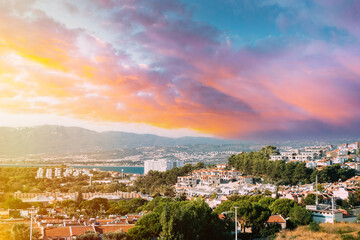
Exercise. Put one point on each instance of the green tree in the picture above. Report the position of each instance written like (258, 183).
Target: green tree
(301, 173)
(300, 216)
(139, 233)
(310, 199)
(114, 236)
(20, 231)
(314, 226)
(252, 214)
(148, 227)
(89, 235)
(266, 201)
(270, 231)
(69, 205)
(79, 199)
(199, 165)
(282, 206)
(95, 206)
(15, 203)
(288, 173)
(224, 207)
(204, 223)
(213, 195)
(181, 197)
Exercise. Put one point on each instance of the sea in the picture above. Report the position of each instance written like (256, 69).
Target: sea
(138, 170)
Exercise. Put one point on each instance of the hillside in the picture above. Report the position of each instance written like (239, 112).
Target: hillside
(58, 139)
(327, 231)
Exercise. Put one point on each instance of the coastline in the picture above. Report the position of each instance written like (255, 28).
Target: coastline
(68, 165)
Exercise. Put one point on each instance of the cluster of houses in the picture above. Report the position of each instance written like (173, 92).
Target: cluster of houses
(51, 228)
(48, 198)
(62, 172)
(206, 182)
(320, 156)
(214, 185)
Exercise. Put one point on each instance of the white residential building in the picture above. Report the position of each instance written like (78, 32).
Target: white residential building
(186, 181)
(341, 193)
(221, 166)
(325, 214)
(48, 173)
(311, 164)
(210, 180)
(323, 162)
(303, 157)
(40, 173)
(162, 165)
(58, 172)
(277, 157)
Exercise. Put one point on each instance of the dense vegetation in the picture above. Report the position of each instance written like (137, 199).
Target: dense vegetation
(258, 164)
(23, 179)
(13, 179)
(172, 219)
(162, 182)
(254, 211)
(17, 231)
(169, 218)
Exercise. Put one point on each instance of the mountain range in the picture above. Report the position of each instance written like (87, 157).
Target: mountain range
(59, 139)
(49, 139)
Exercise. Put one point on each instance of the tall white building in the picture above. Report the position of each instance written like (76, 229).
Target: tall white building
(162, 165)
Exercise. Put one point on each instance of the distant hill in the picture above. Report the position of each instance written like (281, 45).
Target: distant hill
(64, 140)
(59, 139)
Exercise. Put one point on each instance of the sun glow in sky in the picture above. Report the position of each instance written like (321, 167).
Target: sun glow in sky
(233, 69)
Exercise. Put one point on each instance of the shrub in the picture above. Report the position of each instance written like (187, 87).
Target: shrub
(348, 237)
(270, 230)
(314, 226)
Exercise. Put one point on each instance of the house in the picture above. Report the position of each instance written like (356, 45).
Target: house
(113, 228)
(70, 233)
(323, 162)
(277, 219)
(186, 181)
(277, 157)
(65, 233)
(323, 213)
(342, 193)
(210, 179)
(221, 166)
(311, 164)
(246, 179)
(354, 180)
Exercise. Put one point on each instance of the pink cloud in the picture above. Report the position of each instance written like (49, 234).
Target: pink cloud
(191, 80)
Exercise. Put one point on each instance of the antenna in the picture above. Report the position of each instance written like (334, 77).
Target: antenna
(316, 185)
(236, 222)
(332, 210)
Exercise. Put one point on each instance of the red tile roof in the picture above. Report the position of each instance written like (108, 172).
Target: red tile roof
(81, 230)
(114, 228)
(276, 219)
(57, 232)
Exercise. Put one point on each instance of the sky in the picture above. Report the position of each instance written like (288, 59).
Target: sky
(264, 69)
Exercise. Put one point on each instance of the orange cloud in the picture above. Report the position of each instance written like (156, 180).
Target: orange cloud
(186, 79)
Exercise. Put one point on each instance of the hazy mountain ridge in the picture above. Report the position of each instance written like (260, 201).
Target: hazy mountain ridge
(59, 139)
(50, 139)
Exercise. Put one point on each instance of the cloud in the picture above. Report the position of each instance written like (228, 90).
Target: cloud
(153, 63)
